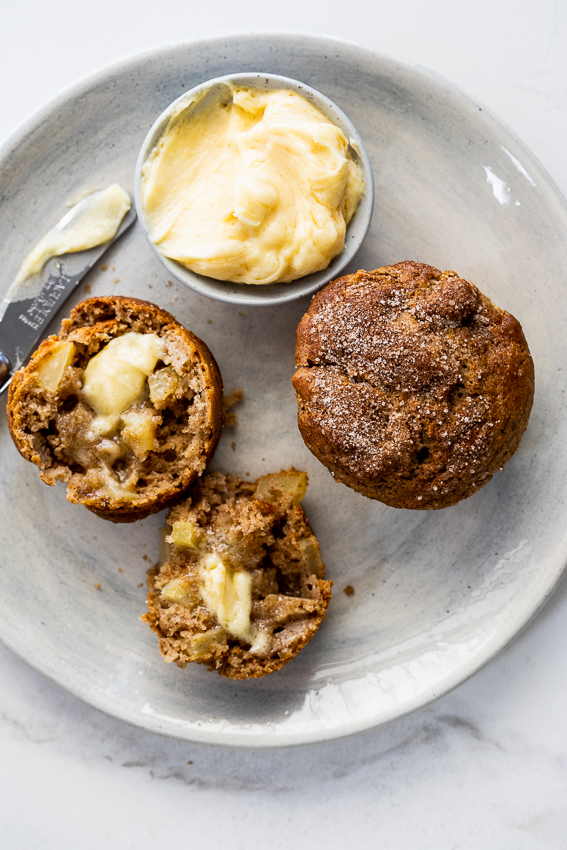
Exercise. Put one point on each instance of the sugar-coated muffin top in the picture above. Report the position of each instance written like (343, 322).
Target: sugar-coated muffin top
(413, 388)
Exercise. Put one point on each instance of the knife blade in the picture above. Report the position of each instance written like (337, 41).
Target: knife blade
(24, 320)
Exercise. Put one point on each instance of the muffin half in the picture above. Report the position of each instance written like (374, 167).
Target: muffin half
(242, 589)
(125, 405)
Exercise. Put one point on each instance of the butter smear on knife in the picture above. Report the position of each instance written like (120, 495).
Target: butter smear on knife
(92, 222)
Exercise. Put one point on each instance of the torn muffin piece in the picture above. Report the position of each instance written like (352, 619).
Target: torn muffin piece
(242, 589)
(125, 405)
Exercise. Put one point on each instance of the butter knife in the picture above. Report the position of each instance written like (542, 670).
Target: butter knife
(23, 320)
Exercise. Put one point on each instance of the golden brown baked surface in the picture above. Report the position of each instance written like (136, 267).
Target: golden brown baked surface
(271, 597)
(151, 453)
(413, 388)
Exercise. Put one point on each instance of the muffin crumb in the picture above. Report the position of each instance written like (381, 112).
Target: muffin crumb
(242, 589)
(124, 405)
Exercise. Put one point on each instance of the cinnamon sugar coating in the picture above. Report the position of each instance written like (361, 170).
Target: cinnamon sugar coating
(412, 387)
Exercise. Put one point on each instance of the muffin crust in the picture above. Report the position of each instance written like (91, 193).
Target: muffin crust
(412, 387)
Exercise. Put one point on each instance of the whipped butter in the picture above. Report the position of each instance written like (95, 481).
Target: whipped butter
(92, 222)
(251, 186)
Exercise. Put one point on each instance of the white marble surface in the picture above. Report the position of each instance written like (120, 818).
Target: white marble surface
(485, 766)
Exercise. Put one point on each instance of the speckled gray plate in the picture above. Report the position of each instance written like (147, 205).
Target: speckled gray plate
(437, 594)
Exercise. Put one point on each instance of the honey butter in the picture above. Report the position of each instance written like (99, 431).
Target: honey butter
(251, 186)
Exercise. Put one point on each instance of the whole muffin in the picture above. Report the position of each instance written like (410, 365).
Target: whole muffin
(413, 388)
(125, 405)
(242, 588)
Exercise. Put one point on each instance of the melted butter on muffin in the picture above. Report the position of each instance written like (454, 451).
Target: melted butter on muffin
(125, 405)
(251, 186)
(242, 586)
(117, 377)
(228, 594)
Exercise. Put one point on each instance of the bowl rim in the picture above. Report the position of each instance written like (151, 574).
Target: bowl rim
(274, 293)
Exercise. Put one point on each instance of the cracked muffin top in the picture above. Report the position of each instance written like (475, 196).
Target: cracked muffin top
(412, 387)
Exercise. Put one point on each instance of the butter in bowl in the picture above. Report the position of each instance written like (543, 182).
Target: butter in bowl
(254, 189)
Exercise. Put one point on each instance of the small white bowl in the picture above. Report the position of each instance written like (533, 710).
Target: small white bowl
(271, 293)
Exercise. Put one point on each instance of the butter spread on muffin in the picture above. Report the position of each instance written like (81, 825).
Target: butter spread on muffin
(242, 588)
(412, 387)
(125, 405)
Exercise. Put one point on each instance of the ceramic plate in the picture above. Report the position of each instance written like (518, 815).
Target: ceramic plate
(437, 593)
